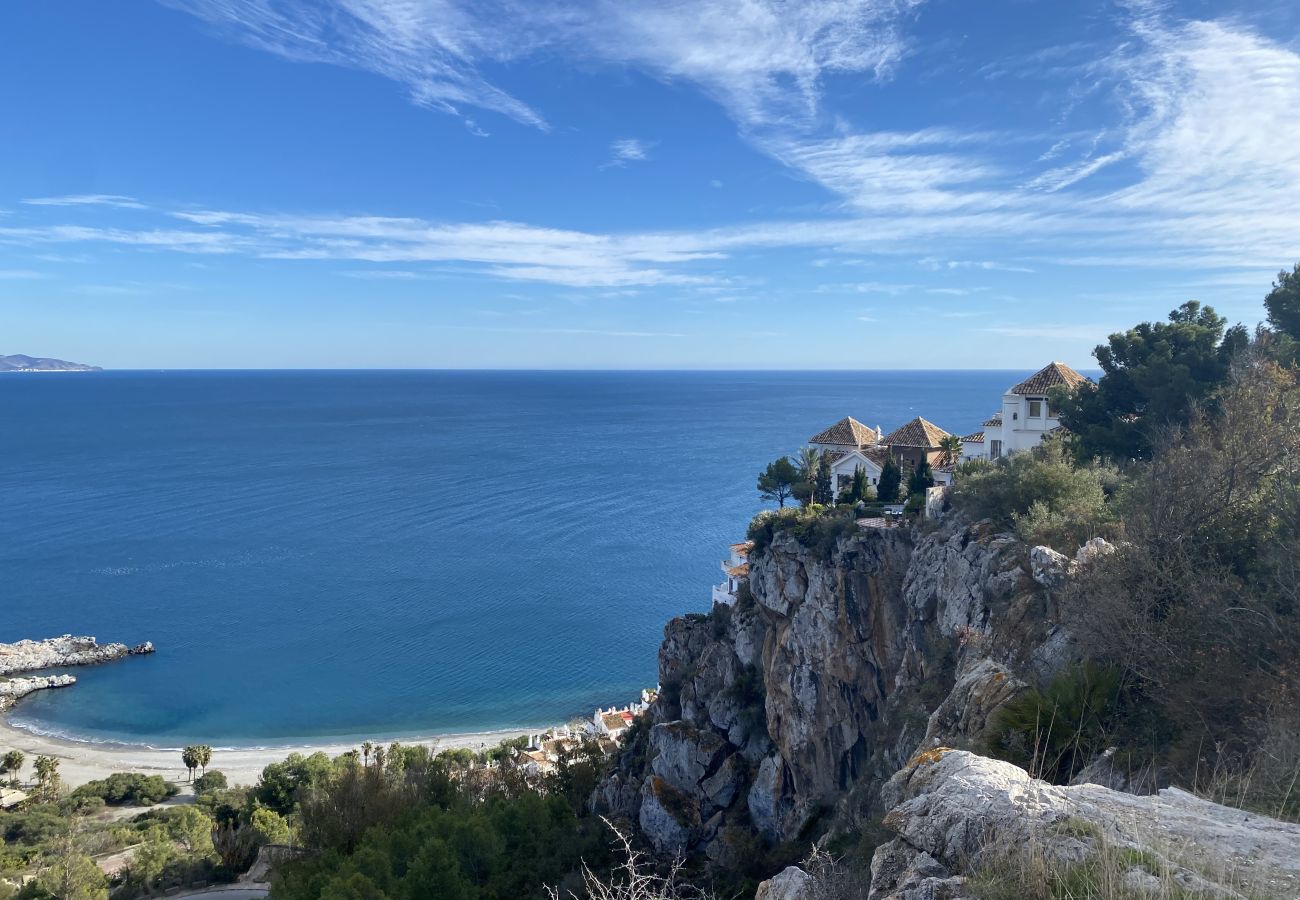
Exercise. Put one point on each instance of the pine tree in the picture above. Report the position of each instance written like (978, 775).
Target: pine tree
(890, 481)
(922, 479)
(824, 492)
(858, 492)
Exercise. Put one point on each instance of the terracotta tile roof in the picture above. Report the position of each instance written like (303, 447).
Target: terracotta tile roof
(1049, 377)
(743, 547)
(847, 430)
(994, 421)
(877, 455)
(975, 437)
(740, 571)
(614, 721)
(916, 433)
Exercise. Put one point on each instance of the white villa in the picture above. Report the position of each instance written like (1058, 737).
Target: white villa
(1019, 424)
(851, 445)
(736, 568)
(1024, 417)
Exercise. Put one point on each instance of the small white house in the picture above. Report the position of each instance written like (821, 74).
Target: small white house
(613, 723)
(845, 462)
(1025, 416)
(736, 568)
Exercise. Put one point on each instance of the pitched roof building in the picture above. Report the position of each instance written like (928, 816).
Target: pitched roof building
(848, 432)
(1025, 417)
(916, 433)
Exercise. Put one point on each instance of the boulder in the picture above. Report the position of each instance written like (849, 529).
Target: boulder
(954, 807)
(1048, 567)
(792, 883)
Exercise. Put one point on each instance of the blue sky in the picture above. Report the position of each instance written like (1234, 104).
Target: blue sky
(624, 183)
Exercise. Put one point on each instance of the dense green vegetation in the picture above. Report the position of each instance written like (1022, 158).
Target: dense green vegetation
(1196, 479)
(422, 826)
(128, 789)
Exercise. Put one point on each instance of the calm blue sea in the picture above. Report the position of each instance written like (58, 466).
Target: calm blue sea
(383, 553)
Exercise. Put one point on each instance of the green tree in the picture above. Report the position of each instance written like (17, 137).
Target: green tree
(859, 489)
(12, 762)
(891, 479)
(777, 481)
(921, 479)
(190, 827)
(1155, 376)
(282, 783)
(152, 856)
(367, 748)
(271, 827)
(1283, 303)
(72, 875)
(824, 492)
(204, 754)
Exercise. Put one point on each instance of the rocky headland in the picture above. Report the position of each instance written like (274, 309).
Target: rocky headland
(831, 698)
(54, 653)
(21, 362)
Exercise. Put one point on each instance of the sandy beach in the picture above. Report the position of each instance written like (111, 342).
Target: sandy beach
(80, 762)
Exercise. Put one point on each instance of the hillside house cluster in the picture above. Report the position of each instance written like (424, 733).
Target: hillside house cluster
(1021, 422)
(605, 729)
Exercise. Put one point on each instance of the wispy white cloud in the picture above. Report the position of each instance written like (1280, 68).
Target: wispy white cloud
(627, 150)
(20, 274)
(115, 200)
(432, 47)
(986, 265)
(1052, 332)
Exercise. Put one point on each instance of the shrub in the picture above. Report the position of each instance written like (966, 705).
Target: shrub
(128, 789)
(1055, 733)
(1041, 494)
(815, 527)
(212, 781)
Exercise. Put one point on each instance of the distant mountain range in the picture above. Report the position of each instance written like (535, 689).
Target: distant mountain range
(22, 363)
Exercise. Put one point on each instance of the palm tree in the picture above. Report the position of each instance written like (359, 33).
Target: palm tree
(809, 461)
(12, 762)
(951, 447)
(190, 757)
(366, 749)
(47, 777)
(204, 753)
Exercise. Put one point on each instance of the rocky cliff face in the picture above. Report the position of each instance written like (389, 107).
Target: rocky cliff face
(786, 715)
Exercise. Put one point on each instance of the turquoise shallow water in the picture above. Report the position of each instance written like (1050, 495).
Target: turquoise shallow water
(331, 554)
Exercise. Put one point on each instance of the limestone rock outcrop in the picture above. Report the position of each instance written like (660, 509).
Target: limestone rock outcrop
(951, 808)
(785, 716)
(14, 689)
(53, 653)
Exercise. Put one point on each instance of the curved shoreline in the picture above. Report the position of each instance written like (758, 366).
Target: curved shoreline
(82, 761)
